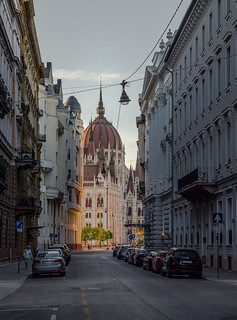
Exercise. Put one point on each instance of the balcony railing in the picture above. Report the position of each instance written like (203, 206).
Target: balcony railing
(46, 165)
(28, 202)
(202, 175)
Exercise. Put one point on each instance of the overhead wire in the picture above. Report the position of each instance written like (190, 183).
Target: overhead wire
(172, 18)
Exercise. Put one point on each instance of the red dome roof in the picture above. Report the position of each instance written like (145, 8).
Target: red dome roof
(102, 130)
(101, 127)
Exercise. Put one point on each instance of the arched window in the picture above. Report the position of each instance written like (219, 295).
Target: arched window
(139, 212)
(100, 201)
(129, 211)
(90, 202)
(87, 202)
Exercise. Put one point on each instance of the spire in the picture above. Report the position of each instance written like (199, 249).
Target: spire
(91, 138)
(100, 109)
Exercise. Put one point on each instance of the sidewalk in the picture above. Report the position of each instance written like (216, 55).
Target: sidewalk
(224, 276)
(10, 279)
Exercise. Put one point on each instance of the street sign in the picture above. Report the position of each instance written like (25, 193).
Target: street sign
(217, 217)
(132, 236)
(218, 230)
(19, 226)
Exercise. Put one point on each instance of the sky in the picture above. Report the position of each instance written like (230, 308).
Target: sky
(89, 40)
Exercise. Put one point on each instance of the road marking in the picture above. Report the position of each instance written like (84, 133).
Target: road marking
(84, 302)
(53, 317)
(86, 310)
(83, 295)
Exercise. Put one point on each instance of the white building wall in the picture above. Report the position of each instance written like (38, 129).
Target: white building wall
(204, 103)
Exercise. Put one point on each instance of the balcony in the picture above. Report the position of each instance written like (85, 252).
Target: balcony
(74, 184)
(25, 158)
(27, 205)
(74, 207)
(5, 99)
(46, 166)
(198, 184)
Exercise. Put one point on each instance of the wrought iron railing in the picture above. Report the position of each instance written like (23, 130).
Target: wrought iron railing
(205, 175)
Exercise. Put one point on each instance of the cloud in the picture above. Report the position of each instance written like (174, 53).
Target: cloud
(84, 75)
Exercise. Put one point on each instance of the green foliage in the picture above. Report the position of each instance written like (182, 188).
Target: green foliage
(107, 234)
(86, 234)
(96, 234)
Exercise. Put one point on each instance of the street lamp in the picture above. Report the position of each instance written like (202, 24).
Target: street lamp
(124, 99)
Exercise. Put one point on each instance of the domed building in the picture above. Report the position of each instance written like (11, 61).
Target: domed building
(104, 176)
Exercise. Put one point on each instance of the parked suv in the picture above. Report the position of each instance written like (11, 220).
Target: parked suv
(183, 262)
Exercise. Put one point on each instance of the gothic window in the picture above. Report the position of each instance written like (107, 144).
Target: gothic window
(129, 211)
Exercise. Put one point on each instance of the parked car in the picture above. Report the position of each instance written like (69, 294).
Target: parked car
(139, 256)
(121, 251)
(157, 261)
(132, 253)
(127, 253)
(66, 255)
(147, 261)
(115, 251)
(182, 262)
(48, 262)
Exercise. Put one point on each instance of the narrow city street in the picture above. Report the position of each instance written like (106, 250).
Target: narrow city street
(98, 286)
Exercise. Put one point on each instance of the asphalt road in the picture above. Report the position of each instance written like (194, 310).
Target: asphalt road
(99, 287)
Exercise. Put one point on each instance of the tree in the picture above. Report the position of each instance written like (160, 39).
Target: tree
(86, 234)
(107, 234)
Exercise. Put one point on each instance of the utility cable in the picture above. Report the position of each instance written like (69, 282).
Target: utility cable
(172, 18)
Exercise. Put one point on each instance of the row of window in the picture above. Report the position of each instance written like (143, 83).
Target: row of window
(88, 215)
(199, 46)
(99, 225)
(100, 201)
(202, 94)
(212, 149)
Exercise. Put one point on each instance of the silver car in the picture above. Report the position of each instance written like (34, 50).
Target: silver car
(48, 262)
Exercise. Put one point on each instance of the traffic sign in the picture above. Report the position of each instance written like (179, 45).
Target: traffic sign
(217, 217)
(132, 236)
(19, 225)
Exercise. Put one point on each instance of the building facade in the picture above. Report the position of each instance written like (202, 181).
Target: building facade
(134, 222)
(155, 150)
(28, 204)
(11, 78)
(203, 60)
(61, 135)
(104, 174)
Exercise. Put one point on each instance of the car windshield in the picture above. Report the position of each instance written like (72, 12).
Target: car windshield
(191, 254)
(52, 254)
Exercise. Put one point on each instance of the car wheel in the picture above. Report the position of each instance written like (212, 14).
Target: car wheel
(34, 275)
(143, 266)
(62, 274)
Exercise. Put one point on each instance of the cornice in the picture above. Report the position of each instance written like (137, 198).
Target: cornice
(189, 23)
